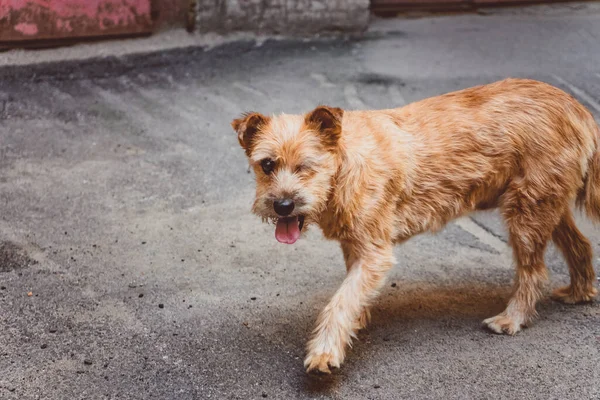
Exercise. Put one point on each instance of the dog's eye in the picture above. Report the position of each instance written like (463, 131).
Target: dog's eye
(267, 165)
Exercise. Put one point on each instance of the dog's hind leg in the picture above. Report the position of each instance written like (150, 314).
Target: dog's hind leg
(338, 322)
(578, 253)
(530, 223)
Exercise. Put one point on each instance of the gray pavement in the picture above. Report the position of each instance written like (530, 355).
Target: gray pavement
(124, 213)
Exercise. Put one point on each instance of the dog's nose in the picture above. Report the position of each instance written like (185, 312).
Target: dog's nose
(283, 207)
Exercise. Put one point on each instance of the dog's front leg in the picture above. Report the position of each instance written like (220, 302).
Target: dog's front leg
(339, 321)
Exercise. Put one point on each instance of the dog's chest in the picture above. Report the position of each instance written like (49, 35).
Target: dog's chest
(336, 224)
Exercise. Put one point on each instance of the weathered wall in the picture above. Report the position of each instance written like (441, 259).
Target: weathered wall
(171, 14)
(282, 16)
(43, 22)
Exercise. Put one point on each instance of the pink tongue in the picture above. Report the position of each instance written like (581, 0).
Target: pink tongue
(287, 230)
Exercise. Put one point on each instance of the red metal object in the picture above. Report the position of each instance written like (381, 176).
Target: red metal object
(34, 20)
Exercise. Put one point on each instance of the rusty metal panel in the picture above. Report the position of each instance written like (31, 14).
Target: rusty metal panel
(27, 20)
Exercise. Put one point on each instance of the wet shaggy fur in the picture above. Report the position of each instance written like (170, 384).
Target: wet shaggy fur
(372, 179)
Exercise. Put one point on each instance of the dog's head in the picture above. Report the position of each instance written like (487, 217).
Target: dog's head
(294, 160)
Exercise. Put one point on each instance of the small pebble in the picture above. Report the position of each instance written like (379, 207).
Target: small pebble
(132, 285)
(252, 298)
(43, 346)
(143, 242)
(394, 284)
(161, 305)
(2, 287)
(190, 306)
(141, 295)
(30, 294)
(376, 386)
(264, 395)
(87, 361)
(52, 330)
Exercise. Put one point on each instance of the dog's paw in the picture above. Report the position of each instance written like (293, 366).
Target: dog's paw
(568, 295)
(321, 363)
(502, 324)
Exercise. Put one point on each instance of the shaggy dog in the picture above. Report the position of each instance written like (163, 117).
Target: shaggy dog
(372, 179)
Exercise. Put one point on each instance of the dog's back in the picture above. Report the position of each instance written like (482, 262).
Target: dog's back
(475, 149)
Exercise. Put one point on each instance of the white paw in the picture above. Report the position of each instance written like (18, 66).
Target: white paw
(503, 324)
(321, 363)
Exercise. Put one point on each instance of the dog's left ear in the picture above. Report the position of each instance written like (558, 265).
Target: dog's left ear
(246, 127)
(328, 121)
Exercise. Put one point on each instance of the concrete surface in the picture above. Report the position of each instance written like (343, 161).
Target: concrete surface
(162, 41)
(122, 188)
(282, 16)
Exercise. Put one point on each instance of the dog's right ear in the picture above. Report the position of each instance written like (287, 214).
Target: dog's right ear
(247, 126)
(328, 121)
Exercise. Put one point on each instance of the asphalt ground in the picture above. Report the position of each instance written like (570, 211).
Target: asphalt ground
(132, 268)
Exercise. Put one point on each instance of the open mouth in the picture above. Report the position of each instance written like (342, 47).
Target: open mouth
(288, 229)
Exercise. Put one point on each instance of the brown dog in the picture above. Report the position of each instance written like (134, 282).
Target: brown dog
(370, 179)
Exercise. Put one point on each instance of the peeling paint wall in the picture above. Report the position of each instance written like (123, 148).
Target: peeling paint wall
(59, 19)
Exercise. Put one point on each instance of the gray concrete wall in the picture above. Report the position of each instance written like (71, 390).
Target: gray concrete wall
(282, 16)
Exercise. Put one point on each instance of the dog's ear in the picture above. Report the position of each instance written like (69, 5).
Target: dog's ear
(247, 126)
(328, 121)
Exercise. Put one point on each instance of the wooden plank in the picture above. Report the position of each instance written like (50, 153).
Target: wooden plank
(390, 7)
(393, 7)
(391, 3)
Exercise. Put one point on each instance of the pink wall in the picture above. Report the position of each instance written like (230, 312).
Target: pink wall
(57, 19)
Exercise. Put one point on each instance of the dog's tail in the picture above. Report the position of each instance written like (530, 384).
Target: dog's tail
(588, 197)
